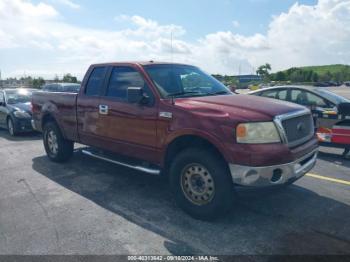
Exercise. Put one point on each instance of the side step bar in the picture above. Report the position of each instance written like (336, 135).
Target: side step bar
(135, 167)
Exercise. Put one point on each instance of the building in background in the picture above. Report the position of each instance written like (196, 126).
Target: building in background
(248, 78)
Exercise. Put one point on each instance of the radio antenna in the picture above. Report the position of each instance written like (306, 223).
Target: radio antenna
(171, 44)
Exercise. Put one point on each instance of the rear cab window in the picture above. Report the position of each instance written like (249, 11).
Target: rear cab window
(95, 82)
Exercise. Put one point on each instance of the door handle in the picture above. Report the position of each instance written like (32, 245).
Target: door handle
(103, 109)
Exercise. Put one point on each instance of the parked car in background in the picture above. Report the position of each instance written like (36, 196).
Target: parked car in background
(62, 87)
(15, 110)
(321, 84)
(347, 83)
(331, 111)
(175, 120)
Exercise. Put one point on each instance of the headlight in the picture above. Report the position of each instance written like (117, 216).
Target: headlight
(257, 133)
(21, 114)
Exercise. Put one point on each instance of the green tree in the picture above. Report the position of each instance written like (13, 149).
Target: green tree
(68, 78)
(326, 77)
(280, 76)
(263, 71)
(38, 82)
(297, 76)
(315, 77)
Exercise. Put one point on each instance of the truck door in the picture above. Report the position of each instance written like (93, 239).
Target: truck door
(128, 129)
(88, 102)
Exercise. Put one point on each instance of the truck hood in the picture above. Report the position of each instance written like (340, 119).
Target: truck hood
(237, 107)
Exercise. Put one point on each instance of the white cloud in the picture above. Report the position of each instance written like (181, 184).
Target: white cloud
(69, 3)
(18, 9)
(304, 35)
(235, 23)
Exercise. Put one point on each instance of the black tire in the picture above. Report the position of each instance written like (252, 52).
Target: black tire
(63, 149)
(220, 202)
(11, 127)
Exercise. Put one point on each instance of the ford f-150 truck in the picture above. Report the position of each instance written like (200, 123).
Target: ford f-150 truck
(176, 121)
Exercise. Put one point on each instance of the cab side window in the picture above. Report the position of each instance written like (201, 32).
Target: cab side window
(95, 82)
(123, 77)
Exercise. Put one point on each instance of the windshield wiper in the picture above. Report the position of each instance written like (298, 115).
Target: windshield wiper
(183, 93)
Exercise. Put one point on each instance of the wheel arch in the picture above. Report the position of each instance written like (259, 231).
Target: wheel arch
(8, 117)
(47, 117)
(184, 141)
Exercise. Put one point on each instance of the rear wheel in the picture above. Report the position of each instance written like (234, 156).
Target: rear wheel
(201, 184)
(57, 148)
(11, 127)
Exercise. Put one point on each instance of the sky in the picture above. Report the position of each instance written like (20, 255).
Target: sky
(53, 37)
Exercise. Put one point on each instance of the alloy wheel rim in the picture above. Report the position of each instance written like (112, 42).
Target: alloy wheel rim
(52, 142)
(10, 126)
(197, 184)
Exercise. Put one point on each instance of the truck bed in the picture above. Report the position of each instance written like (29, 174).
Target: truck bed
(61, 106)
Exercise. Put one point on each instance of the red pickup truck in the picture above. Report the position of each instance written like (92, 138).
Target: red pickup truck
(177, 121)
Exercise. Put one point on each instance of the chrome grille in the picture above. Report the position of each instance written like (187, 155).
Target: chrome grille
(295, 128)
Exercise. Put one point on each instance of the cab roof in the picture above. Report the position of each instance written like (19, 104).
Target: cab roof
(140, 63)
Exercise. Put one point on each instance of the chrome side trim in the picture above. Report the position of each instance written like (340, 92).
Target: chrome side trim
(280, 118)
(139, 168)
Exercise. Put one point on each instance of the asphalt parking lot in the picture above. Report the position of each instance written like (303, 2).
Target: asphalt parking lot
(87, 206)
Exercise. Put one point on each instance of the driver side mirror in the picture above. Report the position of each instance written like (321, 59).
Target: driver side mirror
(136, 95)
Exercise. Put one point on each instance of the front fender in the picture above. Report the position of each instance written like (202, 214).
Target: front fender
(198, 133)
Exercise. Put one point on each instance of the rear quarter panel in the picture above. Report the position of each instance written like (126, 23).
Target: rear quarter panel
(61, 107)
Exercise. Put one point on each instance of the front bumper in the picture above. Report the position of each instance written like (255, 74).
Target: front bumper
(23, 125)
(273, 175)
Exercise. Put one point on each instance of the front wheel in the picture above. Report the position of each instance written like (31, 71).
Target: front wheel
(57, 148)
(11, 127)
(202, 184)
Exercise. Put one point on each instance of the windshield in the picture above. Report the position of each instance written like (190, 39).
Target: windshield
(333, 97)
(184, 81)
(18, 96)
